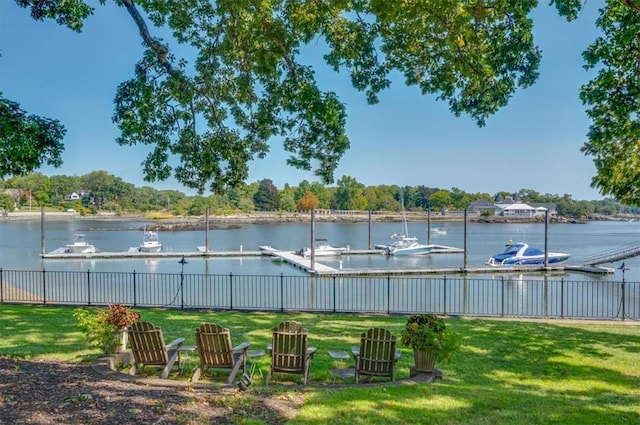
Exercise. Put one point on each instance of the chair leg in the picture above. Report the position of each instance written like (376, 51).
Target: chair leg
(234, 372)
(197, 374)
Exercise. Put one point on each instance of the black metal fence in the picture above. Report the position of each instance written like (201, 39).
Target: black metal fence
(503, 296)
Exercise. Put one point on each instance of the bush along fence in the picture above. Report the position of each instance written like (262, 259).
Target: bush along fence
(462, 296)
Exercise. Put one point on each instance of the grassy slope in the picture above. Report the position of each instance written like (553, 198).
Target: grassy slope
(507, 372)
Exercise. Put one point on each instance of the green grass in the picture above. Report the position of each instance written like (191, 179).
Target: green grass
(507, 372)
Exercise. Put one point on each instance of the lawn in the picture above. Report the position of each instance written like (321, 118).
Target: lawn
(506, 372)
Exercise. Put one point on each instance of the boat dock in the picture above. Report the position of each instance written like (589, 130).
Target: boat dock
(304, 263)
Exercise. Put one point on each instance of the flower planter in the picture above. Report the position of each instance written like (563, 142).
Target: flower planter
(425, 361)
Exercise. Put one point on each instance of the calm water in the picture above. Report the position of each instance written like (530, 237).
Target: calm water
(20, 245)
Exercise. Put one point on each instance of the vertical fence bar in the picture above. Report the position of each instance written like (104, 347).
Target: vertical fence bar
(135, 300)
(88, 287)
(502, 296)
(1, 287)
(444, 296)
(281, 292)
(562, 297)
(44, 287)
(231, 291)
(623, 299)
(334, 289)
(388, 296)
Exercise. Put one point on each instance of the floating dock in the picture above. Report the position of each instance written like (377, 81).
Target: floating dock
(321, 269)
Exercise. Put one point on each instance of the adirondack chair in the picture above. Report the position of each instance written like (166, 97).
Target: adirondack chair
(213, 344)
(376, 355)
(148, 348)
(289, 351)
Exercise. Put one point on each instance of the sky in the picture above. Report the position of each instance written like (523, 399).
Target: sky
(407, 139)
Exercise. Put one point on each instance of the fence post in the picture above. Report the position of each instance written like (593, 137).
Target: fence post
(562, 297)
(389, 295)
(1, 287)
(44, 287)
(444, 296)
(88, 287)
(231, 291)
(334, 291)
(623, 299)
(281, 292)
(135, 300)
(502, 296)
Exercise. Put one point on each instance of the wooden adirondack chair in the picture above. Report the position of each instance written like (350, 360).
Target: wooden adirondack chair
(289, 351)
(213, 344)
(148, 348)
(376, 355)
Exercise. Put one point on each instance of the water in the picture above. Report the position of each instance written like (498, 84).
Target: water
(20, 245)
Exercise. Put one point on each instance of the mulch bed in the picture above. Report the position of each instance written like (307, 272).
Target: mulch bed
(50, 392)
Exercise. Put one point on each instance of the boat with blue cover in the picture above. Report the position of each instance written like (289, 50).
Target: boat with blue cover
(520, 253)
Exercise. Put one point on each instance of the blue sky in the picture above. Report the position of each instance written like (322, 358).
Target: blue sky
(406, 139)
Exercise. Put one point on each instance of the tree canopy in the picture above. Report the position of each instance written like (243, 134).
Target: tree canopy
(243, 83)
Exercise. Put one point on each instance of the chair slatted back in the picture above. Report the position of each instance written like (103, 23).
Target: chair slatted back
(377, 352)
(147, 344)
(289, 348)
(213, 343)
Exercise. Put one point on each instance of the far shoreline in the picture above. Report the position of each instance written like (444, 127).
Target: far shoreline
(199, 222)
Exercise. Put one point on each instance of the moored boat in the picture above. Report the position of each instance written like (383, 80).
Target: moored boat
(80, 245)
(321, 248)
(405, 245)
(150, 242)
(520, 253)
(437, 231)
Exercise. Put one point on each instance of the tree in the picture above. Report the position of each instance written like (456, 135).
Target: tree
(612, 98)
(308, 202)
(350, 194)
(27, 141)
(267, 198)
(440, 199)
(248, 85)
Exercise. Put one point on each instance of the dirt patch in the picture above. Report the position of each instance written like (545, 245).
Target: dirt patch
(49, 392)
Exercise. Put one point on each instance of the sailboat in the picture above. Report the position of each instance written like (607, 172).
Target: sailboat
(402, 244)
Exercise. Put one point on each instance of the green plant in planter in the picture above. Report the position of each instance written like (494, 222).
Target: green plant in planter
(104, 327)
(428, 333)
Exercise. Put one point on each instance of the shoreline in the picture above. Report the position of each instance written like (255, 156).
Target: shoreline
(225, 221)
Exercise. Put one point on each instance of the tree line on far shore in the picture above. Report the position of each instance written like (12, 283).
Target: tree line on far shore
(101, 191)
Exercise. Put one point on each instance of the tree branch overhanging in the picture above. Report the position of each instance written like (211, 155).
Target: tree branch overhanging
(160, 49)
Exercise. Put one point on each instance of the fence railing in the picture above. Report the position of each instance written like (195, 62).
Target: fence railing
(502, 296)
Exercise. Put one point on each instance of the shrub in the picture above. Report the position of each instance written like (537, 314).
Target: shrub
(104, 327)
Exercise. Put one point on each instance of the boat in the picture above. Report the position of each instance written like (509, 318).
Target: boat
(402, 244)
(405, 245)
(80, 245)
(520, 253)
(437, 231)
(321, 248)
(150, 242)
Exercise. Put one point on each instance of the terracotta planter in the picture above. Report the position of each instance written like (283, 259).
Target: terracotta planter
(425, 361)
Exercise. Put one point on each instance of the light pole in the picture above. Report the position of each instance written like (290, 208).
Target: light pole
(623, 268)
(182, 262)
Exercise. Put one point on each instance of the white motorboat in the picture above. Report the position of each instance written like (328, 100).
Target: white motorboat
(80, 245)
(321, 248)
(150, 242)
(437, 231)
(520, 253)
(406, 245)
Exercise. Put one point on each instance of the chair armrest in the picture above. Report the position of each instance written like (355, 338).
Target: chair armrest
(397, 355)
(355, 350)
(242, 347)
(176, 343)
(311, 351)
